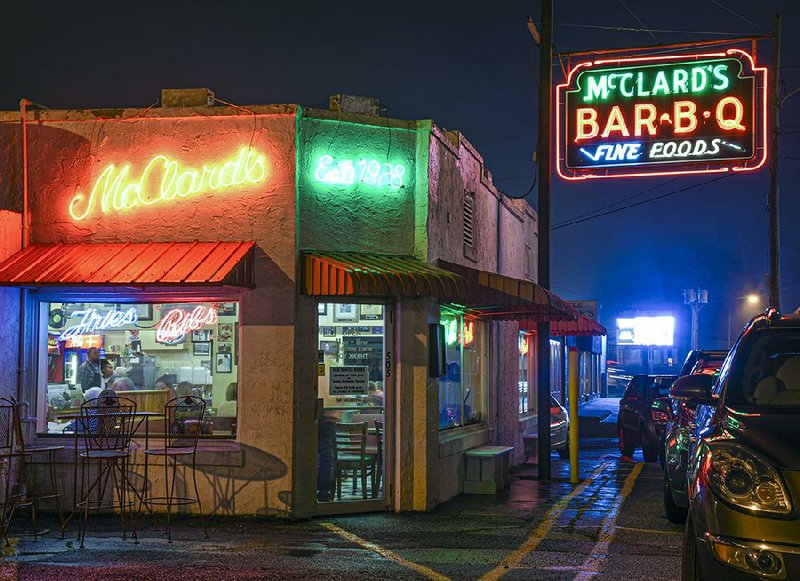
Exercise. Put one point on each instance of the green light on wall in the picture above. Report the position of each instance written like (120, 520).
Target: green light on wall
(370, 172)
(450, 331)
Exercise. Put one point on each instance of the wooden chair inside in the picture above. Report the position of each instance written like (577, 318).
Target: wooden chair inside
(350, 455)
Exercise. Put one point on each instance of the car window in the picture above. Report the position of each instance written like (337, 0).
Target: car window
(659, 387)
(766, 370)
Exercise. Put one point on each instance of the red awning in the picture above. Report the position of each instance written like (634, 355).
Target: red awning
(581, 327)
(361, 274)
(507, 298)
(148, 263)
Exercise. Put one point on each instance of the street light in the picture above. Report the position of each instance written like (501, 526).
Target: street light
(751, 299)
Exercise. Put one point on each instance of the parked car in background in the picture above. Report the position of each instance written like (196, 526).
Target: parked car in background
(702, 359)
(674, 452)
(638, 423)
(559, 428)
(744, 458)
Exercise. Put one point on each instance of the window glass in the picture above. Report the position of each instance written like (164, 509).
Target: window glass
(461, 390)
(351, 383)
(148, 352)
(525, 341)
(766, 369)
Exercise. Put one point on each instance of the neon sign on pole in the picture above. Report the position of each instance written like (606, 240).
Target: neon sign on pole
(664, 115)
(166, 180)
(369, 172)
(93, 321)
(175, 324)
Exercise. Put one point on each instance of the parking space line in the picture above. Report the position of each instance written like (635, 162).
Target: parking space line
(386, 553)
(541, 531)
(594, 562)
(652, 531)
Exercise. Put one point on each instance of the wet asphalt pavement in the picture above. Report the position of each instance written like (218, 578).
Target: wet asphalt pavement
(611, 526)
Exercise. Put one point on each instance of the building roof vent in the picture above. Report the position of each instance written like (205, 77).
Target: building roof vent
(187, 97)
(353, 104)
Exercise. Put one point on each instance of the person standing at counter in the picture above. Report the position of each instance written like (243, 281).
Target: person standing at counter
(89, 373)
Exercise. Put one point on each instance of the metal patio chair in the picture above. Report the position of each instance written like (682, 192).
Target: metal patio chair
(107, 424)
(21, 492)
(183, 422)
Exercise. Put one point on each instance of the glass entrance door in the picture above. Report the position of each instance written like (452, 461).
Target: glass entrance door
(354, 368)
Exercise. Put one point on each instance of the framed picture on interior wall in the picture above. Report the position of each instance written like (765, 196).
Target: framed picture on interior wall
(206, 363)
(226, 309)
(223, 363)
(371, 312)
(225, 332)
(201, 335)
(343, 312)
(328, 331)
(144, 311)
(236, 343)
(322, 309)
(201, 348)
(224, 348)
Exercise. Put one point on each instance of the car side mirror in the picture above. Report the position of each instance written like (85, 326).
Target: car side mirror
(694, 389)
(662, 405)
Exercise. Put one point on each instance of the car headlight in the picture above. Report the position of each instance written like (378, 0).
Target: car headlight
(744, 479)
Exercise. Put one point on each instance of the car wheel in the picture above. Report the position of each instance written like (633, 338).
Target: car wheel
(626, 445)
(690, 566)
(649, 447)
(675, 513)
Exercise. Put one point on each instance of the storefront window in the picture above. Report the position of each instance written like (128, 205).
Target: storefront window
(556, 370)
(461, 390)
(352, 373)
(525, 341)
(148, 352)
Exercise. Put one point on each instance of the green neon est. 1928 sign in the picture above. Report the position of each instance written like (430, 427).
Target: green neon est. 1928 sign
(703, 113)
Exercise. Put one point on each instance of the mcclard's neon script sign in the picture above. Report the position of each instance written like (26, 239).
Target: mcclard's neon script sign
(662, 115)
(166, 180)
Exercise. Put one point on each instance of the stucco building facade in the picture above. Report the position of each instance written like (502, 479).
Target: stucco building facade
(336, 256)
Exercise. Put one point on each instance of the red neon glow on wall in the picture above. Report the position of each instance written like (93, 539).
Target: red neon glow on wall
(174, 326)
(728, 115)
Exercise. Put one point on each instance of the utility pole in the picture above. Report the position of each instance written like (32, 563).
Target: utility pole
(543, 160)
(696, 299)
(773, 198)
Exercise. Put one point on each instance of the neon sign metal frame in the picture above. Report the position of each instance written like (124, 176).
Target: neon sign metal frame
(760, 132)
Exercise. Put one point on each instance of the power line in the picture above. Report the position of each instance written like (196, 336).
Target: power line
(651, 30)
(736, 14)
(640, 203)
(617, 203)
(637, 19)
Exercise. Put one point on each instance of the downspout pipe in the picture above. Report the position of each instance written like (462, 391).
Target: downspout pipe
(23, 110)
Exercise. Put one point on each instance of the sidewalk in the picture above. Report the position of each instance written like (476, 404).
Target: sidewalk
(465, 538)
(598, 418)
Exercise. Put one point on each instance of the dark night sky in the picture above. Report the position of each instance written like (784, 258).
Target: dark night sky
(468, 65)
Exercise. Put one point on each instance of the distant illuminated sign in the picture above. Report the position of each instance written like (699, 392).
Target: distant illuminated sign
(370, 172)
(669, 114)
(175, 324)
(165, 180)
(655, 331)
(92, 320)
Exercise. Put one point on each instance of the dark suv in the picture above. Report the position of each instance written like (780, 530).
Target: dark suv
(638, 423)
(744, 458)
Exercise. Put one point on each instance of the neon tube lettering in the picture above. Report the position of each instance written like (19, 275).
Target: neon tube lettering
(164, 180)
(370, 172)
(616, 122)
(174, 326)
(92, 321)
(586, 116)
(685, 117)
(726, 123)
